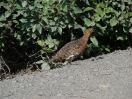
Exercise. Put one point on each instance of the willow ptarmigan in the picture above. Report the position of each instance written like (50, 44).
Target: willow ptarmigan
(72, 49)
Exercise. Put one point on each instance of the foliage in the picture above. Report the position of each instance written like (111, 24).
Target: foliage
(30, 26)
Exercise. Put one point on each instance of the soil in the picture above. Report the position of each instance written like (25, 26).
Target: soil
(107, 76)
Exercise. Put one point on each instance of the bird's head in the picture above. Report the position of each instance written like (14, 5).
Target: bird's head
(88, 33)
(90, 30)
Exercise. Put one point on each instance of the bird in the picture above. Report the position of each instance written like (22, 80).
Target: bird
(73, 49)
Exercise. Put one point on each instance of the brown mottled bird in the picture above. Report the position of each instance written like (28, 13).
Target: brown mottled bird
(72, 49)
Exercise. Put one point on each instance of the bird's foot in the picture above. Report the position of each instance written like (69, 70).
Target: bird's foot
(65, 63)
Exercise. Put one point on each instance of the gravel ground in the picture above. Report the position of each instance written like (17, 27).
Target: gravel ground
(103, 77)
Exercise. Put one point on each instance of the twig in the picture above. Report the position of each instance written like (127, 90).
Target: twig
(27, 69)
(34, 54)
(37, 66)
(2, 61)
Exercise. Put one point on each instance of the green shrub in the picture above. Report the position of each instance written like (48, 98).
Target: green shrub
(28, 27)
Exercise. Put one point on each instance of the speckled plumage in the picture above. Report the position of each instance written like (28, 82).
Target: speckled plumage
(72, 49)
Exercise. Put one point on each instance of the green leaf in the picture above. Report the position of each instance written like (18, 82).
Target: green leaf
(31, 7)
(45, 1)
(97, 17)
(83, 29)
(122, 7)
(20, 12)
(99, 11)
(102, 28)
(34, 28)
(45, 66)
(24, 4)
(49, 50)
(50, 44)
(87, 9)
(23, 20)
(2, 18)
(71, 14)
(92, 23)
(55, 18)
(87, 22)
(130, 13)
(101, 5)
(130, 30)
(39, 28)
(69, 25)
(2, 44)
(87, 2)
(39, 62)
(127, 23)
(125, 29)
(60, 30)
(45, 10)
(129, 1)
(53, 28)
(34, 35)
(6, 6)
(19, 7)
(114, 3)
(21, 43)
(107, 49)
(108, 10)
(41, 43)
(51, 22)
(77, 10)
(94, 40)
(18, 37)
(15, 21)
(120, 38)
(25, 14)
(64, 7)
(7, 14)
(1, 24)
(76, 26)
(45, 20)
(38, 5)
(113, 22)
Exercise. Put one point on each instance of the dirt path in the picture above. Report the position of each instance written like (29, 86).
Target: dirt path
(104, 77)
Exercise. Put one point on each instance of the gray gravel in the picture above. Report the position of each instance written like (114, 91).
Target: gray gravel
(103, 77)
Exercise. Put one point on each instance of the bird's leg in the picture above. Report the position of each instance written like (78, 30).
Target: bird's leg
(65, 63)
(68, 60)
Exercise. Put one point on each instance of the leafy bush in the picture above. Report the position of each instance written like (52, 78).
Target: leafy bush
(30, 26)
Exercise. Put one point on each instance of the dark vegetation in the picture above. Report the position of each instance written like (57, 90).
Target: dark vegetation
(31, 31)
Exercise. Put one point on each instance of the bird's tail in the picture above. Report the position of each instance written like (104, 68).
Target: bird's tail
(51, 59)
